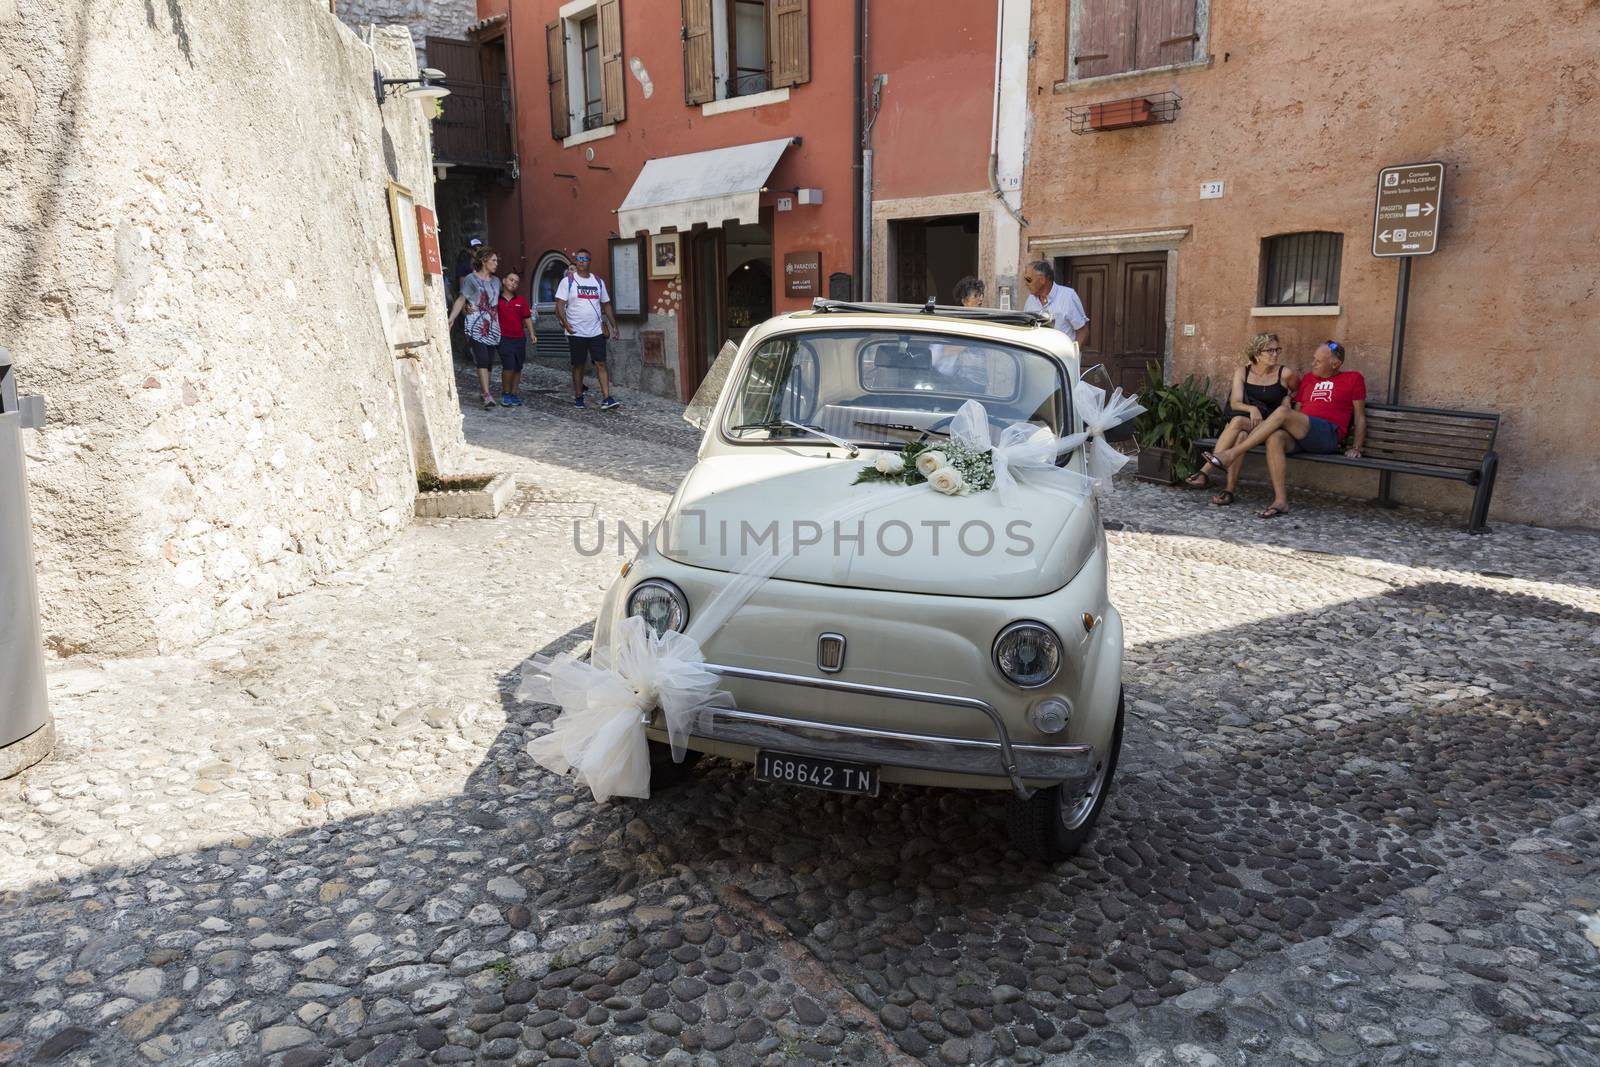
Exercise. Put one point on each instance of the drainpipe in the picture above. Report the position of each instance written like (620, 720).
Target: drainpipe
(994, 118)
(858, 168)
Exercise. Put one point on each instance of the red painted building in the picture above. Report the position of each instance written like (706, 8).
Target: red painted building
(705, 152)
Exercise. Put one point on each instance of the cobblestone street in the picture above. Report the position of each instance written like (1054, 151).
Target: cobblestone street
(1356, 820)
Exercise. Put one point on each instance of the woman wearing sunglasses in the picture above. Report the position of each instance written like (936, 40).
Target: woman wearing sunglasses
(1261, 386)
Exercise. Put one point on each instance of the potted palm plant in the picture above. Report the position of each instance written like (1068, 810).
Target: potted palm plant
(1174, 415)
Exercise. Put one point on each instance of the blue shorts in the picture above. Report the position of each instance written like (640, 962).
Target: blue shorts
(513, 354)
(1322, 437)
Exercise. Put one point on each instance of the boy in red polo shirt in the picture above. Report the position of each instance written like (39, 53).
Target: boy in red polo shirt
(1330, 399)
(515, 322)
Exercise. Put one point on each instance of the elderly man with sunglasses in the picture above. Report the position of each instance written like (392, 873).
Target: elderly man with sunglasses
(1328, 401)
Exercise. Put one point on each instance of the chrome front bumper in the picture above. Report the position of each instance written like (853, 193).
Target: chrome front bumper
(860, 744)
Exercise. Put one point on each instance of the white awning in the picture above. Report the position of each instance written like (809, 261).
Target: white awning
(709, 187)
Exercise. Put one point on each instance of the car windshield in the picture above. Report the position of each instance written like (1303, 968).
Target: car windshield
(884, 388)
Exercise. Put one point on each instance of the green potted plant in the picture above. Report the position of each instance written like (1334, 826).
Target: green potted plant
(1174, 415)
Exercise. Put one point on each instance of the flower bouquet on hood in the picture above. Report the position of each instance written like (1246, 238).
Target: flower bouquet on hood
(951, 467)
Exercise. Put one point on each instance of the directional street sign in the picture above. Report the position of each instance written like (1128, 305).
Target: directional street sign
(1405, 221)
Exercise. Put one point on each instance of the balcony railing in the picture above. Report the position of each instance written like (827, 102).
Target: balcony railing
(475, 128)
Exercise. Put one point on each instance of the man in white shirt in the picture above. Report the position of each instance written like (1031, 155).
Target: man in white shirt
(584, 308)
(1059, 302)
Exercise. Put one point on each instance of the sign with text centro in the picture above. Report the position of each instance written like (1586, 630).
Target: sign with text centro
(1405, 218)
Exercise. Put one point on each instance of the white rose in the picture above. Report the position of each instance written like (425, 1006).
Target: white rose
(889, 463)
(947, 480)
(928, 462)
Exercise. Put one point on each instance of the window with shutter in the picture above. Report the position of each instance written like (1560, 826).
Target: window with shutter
(699, 58)
(1166, 33)
(556, 54)
(790, 50)
(613, 84)
(1103, 30)
(1119, 36)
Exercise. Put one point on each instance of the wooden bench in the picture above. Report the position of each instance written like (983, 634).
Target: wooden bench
(1429, 442)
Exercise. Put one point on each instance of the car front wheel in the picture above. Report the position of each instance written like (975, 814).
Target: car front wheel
(1053, 824)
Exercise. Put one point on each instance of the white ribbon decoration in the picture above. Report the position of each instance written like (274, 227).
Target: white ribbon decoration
(599, 736)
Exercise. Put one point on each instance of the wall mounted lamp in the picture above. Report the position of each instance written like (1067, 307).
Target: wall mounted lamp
(424, 87)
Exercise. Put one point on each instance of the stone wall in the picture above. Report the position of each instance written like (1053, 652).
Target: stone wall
(197, 272)
(424, 18)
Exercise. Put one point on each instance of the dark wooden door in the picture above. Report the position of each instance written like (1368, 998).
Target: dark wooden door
(1125, 297)
(911, 262)
(707, 296)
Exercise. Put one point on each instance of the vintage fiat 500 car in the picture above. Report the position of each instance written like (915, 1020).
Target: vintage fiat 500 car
(948, 641)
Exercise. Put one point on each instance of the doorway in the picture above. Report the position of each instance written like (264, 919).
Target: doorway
(931, 255)
(707, 319)
(1125, 297)
(748, 251)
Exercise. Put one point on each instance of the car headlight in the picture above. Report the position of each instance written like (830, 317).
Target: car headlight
(660, 604)
(1028, 654)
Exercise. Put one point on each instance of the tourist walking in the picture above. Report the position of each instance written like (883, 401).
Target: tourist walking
(516, 322)
(584, 308)
(480, 298)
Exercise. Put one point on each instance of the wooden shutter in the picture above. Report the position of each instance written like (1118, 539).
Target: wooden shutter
(556, 52)
(789, 41)
(1166, 32)
(699, 65)
(613, 79)
(1105, 37)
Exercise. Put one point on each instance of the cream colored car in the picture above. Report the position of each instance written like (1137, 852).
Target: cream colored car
(928, 651)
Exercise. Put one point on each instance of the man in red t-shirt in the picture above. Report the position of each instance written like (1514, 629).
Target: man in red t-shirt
(1329, 399)
(515, 316)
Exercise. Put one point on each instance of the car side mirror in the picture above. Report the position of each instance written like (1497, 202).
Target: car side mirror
(1123, 431)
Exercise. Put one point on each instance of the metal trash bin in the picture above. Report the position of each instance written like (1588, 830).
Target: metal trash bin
(26, 731)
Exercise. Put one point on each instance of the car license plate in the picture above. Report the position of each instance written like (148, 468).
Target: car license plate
(814, 773)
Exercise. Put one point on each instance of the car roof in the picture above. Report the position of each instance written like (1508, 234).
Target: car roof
(891, 318)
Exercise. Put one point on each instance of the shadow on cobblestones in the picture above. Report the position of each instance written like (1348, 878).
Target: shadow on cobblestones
(518, 922)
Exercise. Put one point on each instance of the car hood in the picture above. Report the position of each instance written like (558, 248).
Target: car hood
(916, 542)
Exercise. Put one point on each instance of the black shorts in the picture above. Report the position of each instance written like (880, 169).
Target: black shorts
(484, 355)
(582, 349)
(513, 354)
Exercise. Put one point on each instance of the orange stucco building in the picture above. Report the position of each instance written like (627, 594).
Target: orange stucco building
(1252, 209)
(712, 146)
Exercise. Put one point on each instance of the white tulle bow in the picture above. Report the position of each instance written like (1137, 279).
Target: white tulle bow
(1099, 416)
(1026, 454)
(599, 737)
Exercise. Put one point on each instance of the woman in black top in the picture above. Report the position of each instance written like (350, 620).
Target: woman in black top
(1259, 387)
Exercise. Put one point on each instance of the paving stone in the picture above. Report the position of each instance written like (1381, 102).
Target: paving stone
(1352, 816)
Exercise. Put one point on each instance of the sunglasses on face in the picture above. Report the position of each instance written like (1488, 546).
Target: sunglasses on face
(1336, 348)
(582, 259)
(1274, 351)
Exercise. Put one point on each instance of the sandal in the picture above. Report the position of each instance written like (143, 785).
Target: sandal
(1198, 480)
(1211, 458)
(1223, 499)
(1272, 512)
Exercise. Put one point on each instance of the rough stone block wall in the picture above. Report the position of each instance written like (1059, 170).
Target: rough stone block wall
(424, 18)
(197, 272)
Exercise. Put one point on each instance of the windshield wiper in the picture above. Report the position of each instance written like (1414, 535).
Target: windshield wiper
(814, 431)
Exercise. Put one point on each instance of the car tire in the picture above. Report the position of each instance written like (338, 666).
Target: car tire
(665, 772)
(1053, 824)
